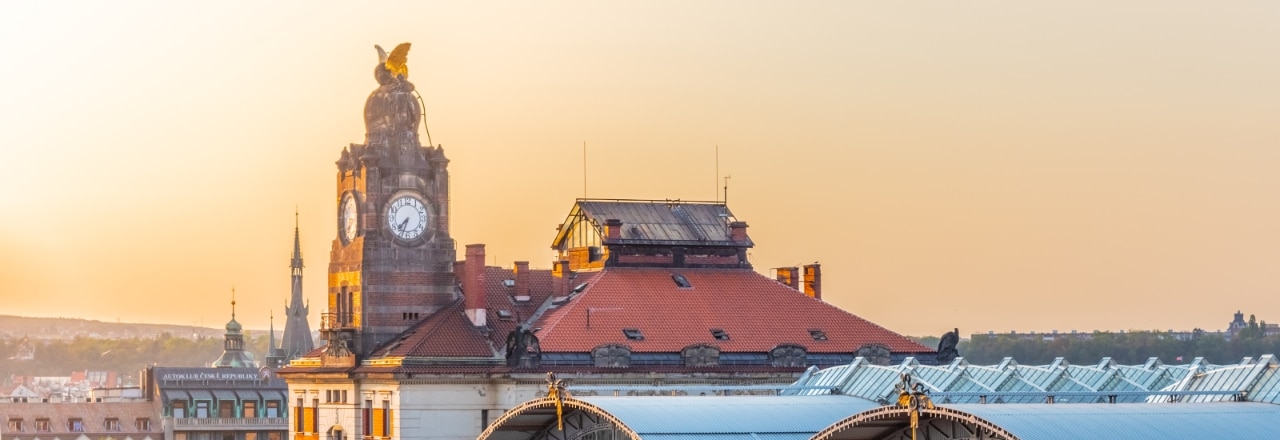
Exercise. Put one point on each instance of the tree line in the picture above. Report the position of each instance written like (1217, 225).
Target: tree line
(1133, 347)
(125, 356)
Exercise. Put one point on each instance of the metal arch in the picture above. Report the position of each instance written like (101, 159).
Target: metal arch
(547, 402)
(897, 412)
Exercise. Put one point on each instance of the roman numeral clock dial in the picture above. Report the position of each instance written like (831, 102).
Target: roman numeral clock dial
(407, 217)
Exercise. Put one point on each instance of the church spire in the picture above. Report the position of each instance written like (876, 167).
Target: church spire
(297, 332)
(296, 263)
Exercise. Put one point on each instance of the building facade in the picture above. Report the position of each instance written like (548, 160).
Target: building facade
(418, 344)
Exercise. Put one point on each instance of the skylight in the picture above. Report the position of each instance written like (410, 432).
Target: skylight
(720, 334)
(505, 315)
(633, 334)
(681, 281)
(818, 335)
(580, 288)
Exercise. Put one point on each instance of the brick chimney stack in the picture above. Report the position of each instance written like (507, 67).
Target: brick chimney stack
(813, 280)
(789, 276)
(473, 285)
(560, 278)
(522, 281)
(738, 231)
(612, 229)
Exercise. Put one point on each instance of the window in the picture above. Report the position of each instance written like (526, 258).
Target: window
(681, 281)
(15, 425)
(249, 436)
(344, 396)
(142, 424)
(366, 417)
(328, 396)
(506, 315)
(179, 409)
(273, 436)
(297, 416)
(226, 408)
(250, 409)
(386, 418)
(111, 424)
(633, 334)
(273, 408)
(179, 436)
(202, 410)
(75, 425)
(42, 425)
(818, 335)
(315, 415)
(720, 334)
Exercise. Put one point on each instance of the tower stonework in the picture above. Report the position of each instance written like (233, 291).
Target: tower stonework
(391, 263)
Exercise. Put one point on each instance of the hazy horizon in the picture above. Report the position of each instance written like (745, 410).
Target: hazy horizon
(997, 166)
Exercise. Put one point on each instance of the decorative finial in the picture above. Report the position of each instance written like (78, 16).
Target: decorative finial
(233, 302)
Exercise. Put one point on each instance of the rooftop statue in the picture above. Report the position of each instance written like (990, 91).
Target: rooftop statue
(392, 112)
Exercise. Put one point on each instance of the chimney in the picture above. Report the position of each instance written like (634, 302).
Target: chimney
(522, 281)
(612, 229)
(473, 284)
(738, 231)
(813, 280)
(560, 278)
(789, 276)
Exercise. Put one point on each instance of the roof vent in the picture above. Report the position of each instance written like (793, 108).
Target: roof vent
(720, 334)
(681, 281)
(818, 335)
(633, 334)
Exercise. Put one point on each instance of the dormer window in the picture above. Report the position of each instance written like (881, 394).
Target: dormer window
(818, 335)
(719, 334)
(42, 425)
(111, 424)
(681, 281)
(633, 334)
(15, 425)
(75, 425)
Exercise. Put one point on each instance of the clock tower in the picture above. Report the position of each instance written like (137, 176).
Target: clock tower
(391, 263)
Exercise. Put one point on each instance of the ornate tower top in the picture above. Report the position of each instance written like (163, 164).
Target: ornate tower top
(233, 354)
(392, 111)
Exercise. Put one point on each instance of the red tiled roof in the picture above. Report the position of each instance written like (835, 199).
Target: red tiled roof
(758, 313)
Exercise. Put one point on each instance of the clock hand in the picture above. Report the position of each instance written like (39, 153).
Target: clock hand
(403, 224)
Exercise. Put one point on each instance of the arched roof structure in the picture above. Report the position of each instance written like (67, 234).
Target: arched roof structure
(1064, 422)
(676, 418)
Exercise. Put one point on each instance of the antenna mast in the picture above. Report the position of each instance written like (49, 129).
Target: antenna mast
(717, 172)
(584, 169)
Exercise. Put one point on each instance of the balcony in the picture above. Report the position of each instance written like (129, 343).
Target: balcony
(336, 321)
(228, 423)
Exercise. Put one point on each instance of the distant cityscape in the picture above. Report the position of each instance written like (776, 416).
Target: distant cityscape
(1233, 328)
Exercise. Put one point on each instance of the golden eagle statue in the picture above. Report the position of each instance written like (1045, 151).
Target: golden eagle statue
(396, 61)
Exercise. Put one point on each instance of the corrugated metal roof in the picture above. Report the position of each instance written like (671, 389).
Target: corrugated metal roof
(1107, 421)
(706, 415)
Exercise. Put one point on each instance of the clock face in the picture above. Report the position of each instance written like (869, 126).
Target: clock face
(407, 217)
(348, 220)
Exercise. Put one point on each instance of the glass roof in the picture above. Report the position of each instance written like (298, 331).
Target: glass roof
(1010, 382)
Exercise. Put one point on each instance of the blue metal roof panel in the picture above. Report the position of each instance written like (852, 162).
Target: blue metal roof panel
(1191, 420)
(730, 414)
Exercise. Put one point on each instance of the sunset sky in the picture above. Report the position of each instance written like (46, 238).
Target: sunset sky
(995, 165)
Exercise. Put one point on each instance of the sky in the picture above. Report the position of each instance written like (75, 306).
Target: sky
(991, 166)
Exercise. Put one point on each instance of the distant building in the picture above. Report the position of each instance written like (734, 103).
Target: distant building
(70, 421)
(218, 403)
